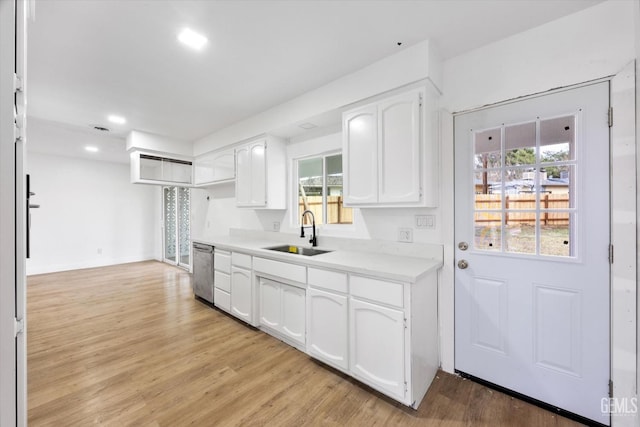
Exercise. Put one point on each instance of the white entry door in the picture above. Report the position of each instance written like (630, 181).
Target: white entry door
(532, 248)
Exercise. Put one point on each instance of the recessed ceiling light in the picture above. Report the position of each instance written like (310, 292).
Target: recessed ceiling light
(117, 119)
(192, 39)
(91, 149)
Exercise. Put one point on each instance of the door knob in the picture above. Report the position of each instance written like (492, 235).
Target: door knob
(462, 264)
(463, 246)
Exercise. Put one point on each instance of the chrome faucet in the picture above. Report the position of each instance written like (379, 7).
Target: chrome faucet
(313, 241)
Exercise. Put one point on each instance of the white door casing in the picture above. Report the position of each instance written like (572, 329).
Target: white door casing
(13, 390)
(532, 304)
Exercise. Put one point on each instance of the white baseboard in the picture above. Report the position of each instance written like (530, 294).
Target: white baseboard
(102, 262)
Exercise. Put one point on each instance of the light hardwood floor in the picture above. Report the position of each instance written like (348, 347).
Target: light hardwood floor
(129, 345)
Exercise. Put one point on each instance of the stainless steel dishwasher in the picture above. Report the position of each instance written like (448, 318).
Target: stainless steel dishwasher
(203, 271)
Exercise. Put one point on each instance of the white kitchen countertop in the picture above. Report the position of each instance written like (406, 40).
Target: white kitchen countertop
(393, 267)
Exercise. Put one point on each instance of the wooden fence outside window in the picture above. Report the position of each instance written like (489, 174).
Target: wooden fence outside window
(489, 209)
(336, 212)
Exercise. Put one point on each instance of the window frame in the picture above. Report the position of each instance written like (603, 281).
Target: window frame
(295, 192)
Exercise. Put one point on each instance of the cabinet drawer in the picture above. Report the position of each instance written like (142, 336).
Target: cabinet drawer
(222, 261)
(296, 273)
(331, 280)
(241, 260)
(222, 281)
(222, 299)
(377, 290)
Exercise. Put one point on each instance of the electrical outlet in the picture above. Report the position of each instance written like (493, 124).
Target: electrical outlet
(426, 221)
(275, 226)
(99, 251)
(405, 235)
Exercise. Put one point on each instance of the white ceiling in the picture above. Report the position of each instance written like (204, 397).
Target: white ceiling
(91, 58)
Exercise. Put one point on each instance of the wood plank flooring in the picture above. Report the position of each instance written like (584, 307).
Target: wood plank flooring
(129, 345)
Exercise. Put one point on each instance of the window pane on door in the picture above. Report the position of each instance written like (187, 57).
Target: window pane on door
(184, 226)
(520, 144)
(556, 230)
(488, 148)
(170, 204)
(557, 137)
(520, 233)
(487, 235)
(488, 182)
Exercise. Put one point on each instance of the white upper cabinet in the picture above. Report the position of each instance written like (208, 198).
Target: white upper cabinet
(215, 167)
(399, 149)
(389, 152)
(149, 168)
(261, 174)
(360, 155)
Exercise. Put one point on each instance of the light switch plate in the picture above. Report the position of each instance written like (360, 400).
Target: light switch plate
(275, 226)
(426, 221)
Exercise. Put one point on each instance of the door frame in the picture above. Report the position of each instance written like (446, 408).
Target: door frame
(625, 182)
(13, 356)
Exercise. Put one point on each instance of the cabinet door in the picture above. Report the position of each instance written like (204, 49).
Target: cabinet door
(258, 174)
(360, 156)
(241, 294)
(293, 312)
(377, 345)
(327, 327)
(399, 149)
(243, 176)
(270, 305)
(223, 166)
(214, 167)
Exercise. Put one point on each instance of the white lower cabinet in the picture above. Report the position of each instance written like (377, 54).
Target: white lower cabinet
(377, 348)
(270, 304)
(282, 310)
(242, 294)
(222, 279)
(381, 332)
(327, 326)
(293, 312)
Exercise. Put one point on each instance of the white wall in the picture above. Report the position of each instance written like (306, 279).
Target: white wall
(88, 206)
(415, 63)
(591, 44)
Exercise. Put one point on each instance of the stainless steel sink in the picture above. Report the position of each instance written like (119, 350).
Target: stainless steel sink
(297, 250)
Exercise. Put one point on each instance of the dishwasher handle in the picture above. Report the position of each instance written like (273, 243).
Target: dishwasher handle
(203, 248)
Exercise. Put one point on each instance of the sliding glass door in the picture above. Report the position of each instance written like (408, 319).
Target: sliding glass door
(176, 226)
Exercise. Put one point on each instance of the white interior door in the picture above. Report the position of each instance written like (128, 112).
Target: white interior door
(532, 244)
